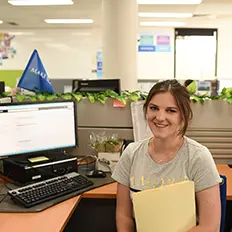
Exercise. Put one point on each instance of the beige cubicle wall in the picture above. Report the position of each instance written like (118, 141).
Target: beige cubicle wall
(211, 125)
(97, 118)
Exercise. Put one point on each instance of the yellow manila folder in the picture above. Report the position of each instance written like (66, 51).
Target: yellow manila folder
(169, 208)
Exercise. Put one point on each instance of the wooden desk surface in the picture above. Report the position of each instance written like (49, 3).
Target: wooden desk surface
(227, 171)
(55, 218)
(107, 191)
(223, 167)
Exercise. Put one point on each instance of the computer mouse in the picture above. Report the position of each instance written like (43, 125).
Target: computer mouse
(96, 174)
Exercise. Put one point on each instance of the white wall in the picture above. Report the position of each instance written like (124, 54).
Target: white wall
(156, 65)
(64, 53)
(72, 53)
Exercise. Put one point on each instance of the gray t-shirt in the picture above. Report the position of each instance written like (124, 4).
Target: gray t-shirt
(137, 170)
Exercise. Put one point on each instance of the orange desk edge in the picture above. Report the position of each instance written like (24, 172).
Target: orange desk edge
(54, 219)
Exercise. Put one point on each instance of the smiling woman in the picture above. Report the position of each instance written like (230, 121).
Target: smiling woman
(175, 100)
(168, 157)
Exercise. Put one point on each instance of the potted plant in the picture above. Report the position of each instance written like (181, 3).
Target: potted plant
(108, 148)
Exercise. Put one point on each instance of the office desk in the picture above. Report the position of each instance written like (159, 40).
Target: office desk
(55, 218)
(222, 167)
(227, 171)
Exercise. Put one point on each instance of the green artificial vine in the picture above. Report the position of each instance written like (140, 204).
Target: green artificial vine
(92, 97)
(226, 94)
(4, 94)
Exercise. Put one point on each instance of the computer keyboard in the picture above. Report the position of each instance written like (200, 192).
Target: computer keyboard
(46, 190)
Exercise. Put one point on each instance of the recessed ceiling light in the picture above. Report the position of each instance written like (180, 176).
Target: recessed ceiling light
(167, 24)
(68, 21)
(165, 15)
(169, 2)
(40, 2)
(1, 21)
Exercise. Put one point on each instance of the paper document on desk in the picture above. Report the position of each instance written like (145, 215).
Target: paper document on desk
(168, 208)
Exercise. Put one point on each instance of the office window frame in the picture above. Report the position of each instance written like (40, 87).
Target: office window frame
(196, 32)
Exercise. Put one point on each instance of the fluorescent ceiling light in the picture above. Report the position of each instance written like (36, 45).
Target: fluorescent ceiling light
(20, 33)
(68, 21)
(82, 33)
(165, 15)
(1, 21)
(40, 2)
(57, 45)
(167, 24)
(61, 47)
(36, 39)
(169, 2)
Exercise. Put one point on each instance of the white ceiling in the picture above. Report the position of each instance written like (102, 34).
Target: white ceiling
(211, 13)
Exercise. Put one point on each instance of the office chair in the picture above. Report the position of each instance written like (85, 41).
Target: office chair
(223, 202)
(125, 143)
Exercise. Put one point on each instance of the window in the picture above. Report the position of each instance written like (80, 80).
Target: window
(195, 53)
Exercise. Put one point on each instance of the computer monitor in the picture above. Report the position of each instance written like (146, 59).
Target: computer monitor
(29, 128)
(95, 86)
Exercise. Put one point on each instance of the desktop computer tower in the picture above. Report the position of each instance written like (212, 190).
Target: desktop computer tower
(2, 87)
(21, 171)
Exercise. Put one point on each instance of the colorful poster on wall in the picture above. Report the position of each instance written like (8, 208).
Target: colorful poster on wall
(99, 64)
(6, 51)
(146, 43)
(163, 43)
(150, 42)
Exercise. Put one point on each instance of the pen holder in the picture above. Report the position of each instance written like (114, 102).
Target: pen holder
(86, 164)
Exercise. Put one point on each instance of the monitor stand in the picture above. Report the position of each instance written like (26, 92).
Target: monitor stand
(26, 169)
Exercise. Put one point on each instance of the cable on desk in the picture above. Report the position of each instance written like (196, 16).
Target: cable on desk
(7, 186)
(5, 181)
(6, 195)
(3, 178)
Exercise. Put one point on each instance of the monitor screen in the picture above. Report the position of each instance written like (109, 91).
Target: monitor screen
(34, 127)
(99, 85)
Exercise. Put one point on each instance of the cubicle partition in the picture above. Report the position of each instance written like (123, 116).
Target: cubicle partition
(97, 118)
(211, 125)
